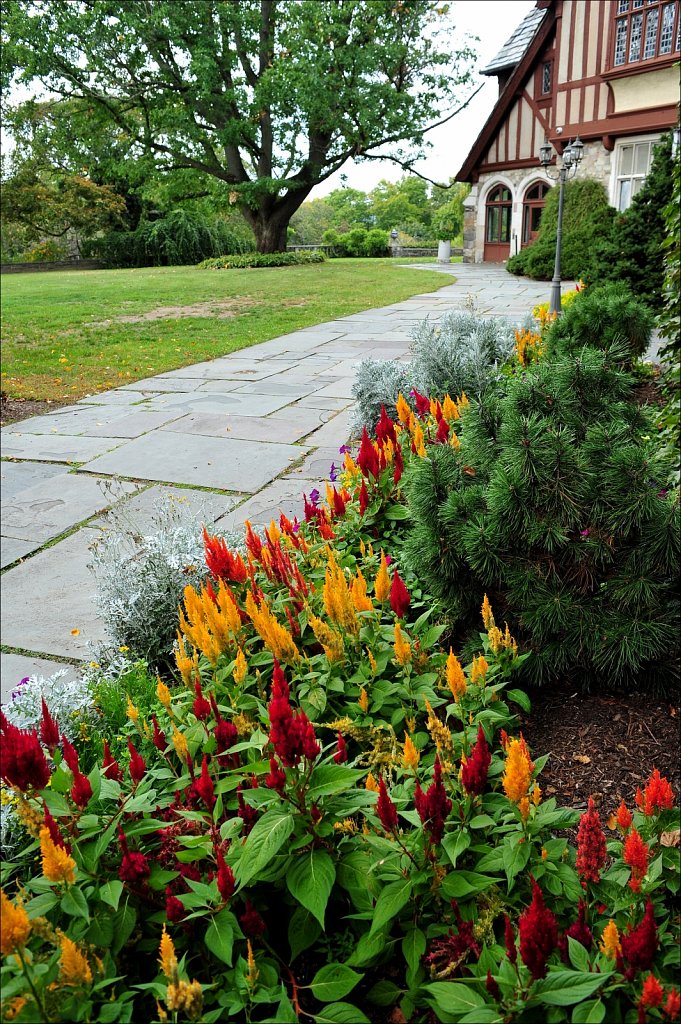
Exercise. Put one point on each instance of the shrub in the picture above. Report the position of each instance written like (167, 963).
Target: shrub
(587, 225)
(376, 243)
(264, 259)
(608, 317)
(554, 503)
(670, 327)
(44, 252)
(378, 383)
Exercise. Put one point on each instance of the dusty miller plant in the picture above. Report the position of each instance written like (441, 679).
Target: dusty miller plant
(70, 702)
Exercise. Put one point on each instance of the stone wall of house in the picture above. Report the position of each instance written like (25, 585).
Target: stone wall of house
(596, 163)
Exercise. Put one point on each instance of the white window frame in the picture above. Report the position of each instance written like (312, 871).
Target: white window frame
(616, 177)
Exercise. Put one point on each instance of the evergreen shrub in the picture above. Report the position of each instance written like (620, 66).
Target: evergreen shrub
(358, 242)
(264, 259)
(609, 317)
(554, 505)
(587, 226)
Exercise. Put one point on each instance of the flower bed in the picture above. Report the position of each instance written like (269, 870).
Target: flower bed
(326, 816)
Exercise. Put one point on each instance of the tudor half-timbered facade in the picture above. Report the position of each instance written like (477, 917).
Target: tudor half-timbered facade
(606, 70)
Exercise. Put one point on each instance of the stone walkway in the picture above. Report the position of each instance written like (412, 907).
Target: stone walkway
(240, 437)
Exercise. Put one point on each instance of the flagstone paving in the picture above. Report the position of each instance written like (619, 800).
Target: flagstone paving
(243, 435)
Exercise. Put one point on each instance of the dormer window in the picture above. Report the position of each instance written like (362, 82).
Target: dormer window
(645, 30)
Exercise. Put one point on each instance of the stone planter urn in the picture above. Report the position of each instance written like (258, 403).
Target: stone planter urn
(444, 252)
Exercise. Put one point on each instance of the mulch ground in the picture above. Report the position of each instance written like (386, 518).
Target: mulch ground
(603, 745)
(14, 409)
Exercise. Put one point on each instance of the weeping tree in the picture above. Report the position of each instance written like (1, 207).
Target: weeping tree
(270, 97)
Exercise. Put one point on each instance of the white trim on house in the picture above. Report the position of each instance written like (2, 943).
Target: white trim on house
(628, 140)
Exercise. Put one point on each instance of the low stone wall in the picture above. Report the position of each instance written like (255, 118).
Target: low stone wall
(22, 268)
(402, 250)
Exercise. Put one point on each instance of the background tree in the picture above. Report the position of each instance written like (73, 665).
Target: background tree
(270, 97)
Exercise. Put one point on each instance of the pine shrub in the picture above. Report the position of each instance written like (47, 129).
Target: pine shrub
(609, 317)
(554, 507)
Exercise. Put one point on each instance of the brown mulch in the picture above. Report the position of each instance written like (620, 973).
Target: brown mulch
(603, 745)
(12, 410)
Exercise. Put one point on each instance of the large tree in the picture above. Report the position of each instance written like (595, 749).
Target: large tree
(270, 97)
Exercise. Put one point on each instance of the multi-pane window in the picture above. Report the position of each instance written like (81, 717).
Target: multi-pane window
(633, 163)
(546, 77)
(645, 29)
(499, 204)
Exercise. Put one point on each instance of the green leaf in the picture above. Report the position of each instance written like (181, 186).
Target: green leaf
(452, 997)
(74, 904)
(458, 884)
(481, 821)
(41, 905)
(455, 843)
(110, 893)
(579, 958)
(384, 993)
(521, 698)
(413, 947)
(565, 988)
(285, 1013)
(327, 779)
(516, 856)
(397, 513)
(367, 949)
(125, 920)
(341, 1013)
(390, 901)
(590, 1012)
(219, 936)
(310, 880)
(268, 836)
(303, 930)
(333, 981)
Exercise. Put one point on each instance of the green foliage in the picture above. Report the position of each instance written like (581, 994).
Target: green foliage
(181, 238)
(555, 506)
(357, 243)
(608, 317)
(587, 225)
(669, 325)
(264, 259)
(633, 254)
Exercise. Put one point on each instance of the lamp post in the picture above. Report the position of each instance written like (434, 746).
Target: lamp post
(572, 156)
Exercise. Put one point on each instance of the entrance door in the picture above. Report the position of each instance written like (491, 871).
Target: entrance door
(533, 204)
(498, 225)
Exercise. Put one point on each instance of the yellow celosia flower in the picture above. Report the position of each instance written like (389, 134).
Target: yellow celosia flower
(273, 532)
(187, 666)
(180, 745)
(253, 972)
(536, 795)
(163, 694)
(15, 926)
(487, 617)
(371, 784)
(440, 734)
(454, 441)
(479, 669)
(58, 865)
(240, 668)
(363, 700)
(462, 401)
(73, 966)
(419, 440)
(403, 410)
(358, 591)
(185, 997)
(29, 816)
(517, 773)
(329, 495)
(331, 641)
(382, 582)
(449, 409)
(167, 957)
(388, 451)
(131, 711)
(372, 661)
(351, 466)
(410, 755)
(456, 680)
(610, 944)
(275, 636)
(401, 647)
(496, 639)
(508, 641)
(15, 1007)
(211, 620)
(338, 602)
(346, 827)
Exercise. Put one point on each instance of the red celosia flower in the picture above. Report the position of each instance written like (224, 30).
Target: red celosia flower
(653, 993)
(53, 828)
(248, 814)
(509, 940)
(70, 755)
(492, 987)
(252, 924)
(639, 798)
(225, 877)
(400, 598)
(315, 813)
(672, 1008)
(385, 808)
(175, 911)
(276, 777)
(475, 768)
(399, 465)
(422, 403)
(159, 739)
(341, 754)
(591, 852)
(204, 786)
(578, 930)
(635, 854)
(137, 765)
(367, 458)
(338, 503)
(49, 730)
(442, 436)
(291, 735)
(658, 794)
(225, 737)
(450, 950)
(134, 866)
(200, 707)
(639, 944)
(623, 817)
(434, 805)
(110, 766)
(221, 562)
(23, 764)
(538, 934)
(81, 790)
(385, 428)
(363, 498)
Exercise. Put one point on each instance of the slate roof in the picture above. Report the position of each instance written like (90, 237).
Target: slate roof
(512, 51)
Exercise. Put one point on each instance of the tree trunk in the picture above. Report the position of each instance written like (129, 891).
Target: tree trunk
(270, 234)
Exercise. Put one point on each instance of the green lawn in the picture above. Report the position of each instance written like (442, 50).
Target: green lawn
(63, 337)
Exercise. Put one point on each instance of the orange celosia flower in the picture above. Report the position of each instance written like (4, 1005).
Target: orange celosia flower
(454, 441)
(212, 619)
(449, 409)
(363, 700)
(131, 711)
(331, 641)
(358, 590)
(403, 409)
(15, 927)
(623, 817)
(536, 795)
(456, 680)
(439, 733)
(188, 666)
(180, 745)
(167, 957)
(479, 669)
(410, 755)
(371, 784)
(658, 794)
(652, 993)
(372, 661)
(58, 865)
(636, 855)
(382, 582)
(610, 941)
(517, 774)
(419, 440)
(496, 639)
(74, 968)
(401, 647)
(278, 639)
(487, 616)
(185, 997)
(338, 602)
(163, 694)
(240, 668)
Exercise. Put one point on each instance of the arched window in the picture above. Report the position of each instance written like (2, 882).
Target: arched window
(533, 204)
(498, 209)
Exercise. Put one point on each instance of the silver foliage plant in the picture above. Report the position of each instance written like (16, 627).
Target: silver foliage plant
(463, 352)
(141, 577)
(69, 701)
